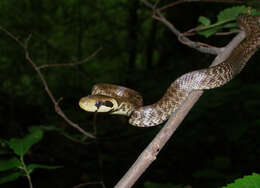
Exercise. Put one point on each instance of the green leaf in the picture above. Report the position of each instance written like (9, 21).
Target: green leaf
(231, 13)
(204, 21)
(252, 181)
(11, 177)
(9, 164)
(31, 167)
(208, 32)
(21, 146)
(223, 20)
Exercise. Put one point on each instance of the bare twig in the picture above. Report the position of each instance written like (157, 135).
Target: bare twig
(99, 152)
(30, 181)
(99, 158)
(189, 1)
(91, 183)
(182, 38)
(225, 33)
(73, 63)
(191, 32)
(46, 87)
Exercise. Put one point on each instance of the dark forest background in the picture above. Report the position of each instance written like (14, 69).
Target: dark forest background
(217, 142)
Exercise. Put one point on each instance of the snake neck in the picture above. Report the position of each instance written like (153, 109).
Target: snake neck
(160, 111)
(209, 78)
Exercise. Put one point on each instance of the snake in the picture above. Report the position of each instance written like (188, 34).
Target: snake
(114, 99)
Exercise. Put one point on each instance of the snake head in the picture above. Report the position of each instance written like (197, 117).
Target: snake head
(98, 103)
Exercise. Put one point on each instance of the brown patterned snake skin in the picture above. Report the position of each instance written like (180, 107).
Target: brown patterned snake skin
(120, 100)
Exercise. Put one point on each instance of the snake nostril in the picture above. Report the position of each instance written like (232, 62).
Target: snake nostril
(98, 104)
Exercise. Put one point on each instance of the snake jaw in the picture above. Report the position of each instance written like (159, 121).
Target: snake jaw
(98, 103)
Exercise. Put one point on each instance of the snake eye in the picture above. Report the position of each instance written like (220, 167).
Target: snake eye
(108, 104)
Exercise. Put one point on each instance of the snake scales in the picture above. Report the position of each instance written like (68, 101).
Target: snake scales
(120, 100)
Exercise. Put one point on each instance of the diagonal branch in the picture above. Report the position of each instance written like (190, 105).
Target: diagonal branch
(150, 153)
(46, 87)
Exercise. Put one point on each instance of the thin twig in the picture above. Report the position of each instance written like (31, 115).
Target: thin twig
(30, 181)
(189, 1)
(191, 32)
(46, 87)
(225, 33)
(73, 63)
(90, 183)
(182, 38)
(99, 152)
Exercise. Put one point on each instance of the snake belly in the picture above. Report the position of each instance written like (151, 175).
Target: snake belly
(120, 100)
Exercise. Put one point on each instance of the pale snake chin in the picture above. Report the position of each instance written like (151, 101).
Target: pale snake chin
(124, 101)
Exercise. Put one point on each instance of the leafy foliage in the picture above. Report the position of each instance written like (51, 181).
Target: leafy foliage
(224, 20)
(9, 164)
(252, 181)
(10, 177)
(20, 147)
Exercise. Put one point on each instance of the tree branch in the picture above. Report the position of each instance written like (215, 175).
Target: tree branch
(208, 1)
(151, 151)
(73, 63)
(46, 87)
(182, 38)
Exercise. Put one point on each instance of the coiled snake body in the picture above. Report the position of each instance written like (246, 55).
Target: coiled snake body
(120, 100)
